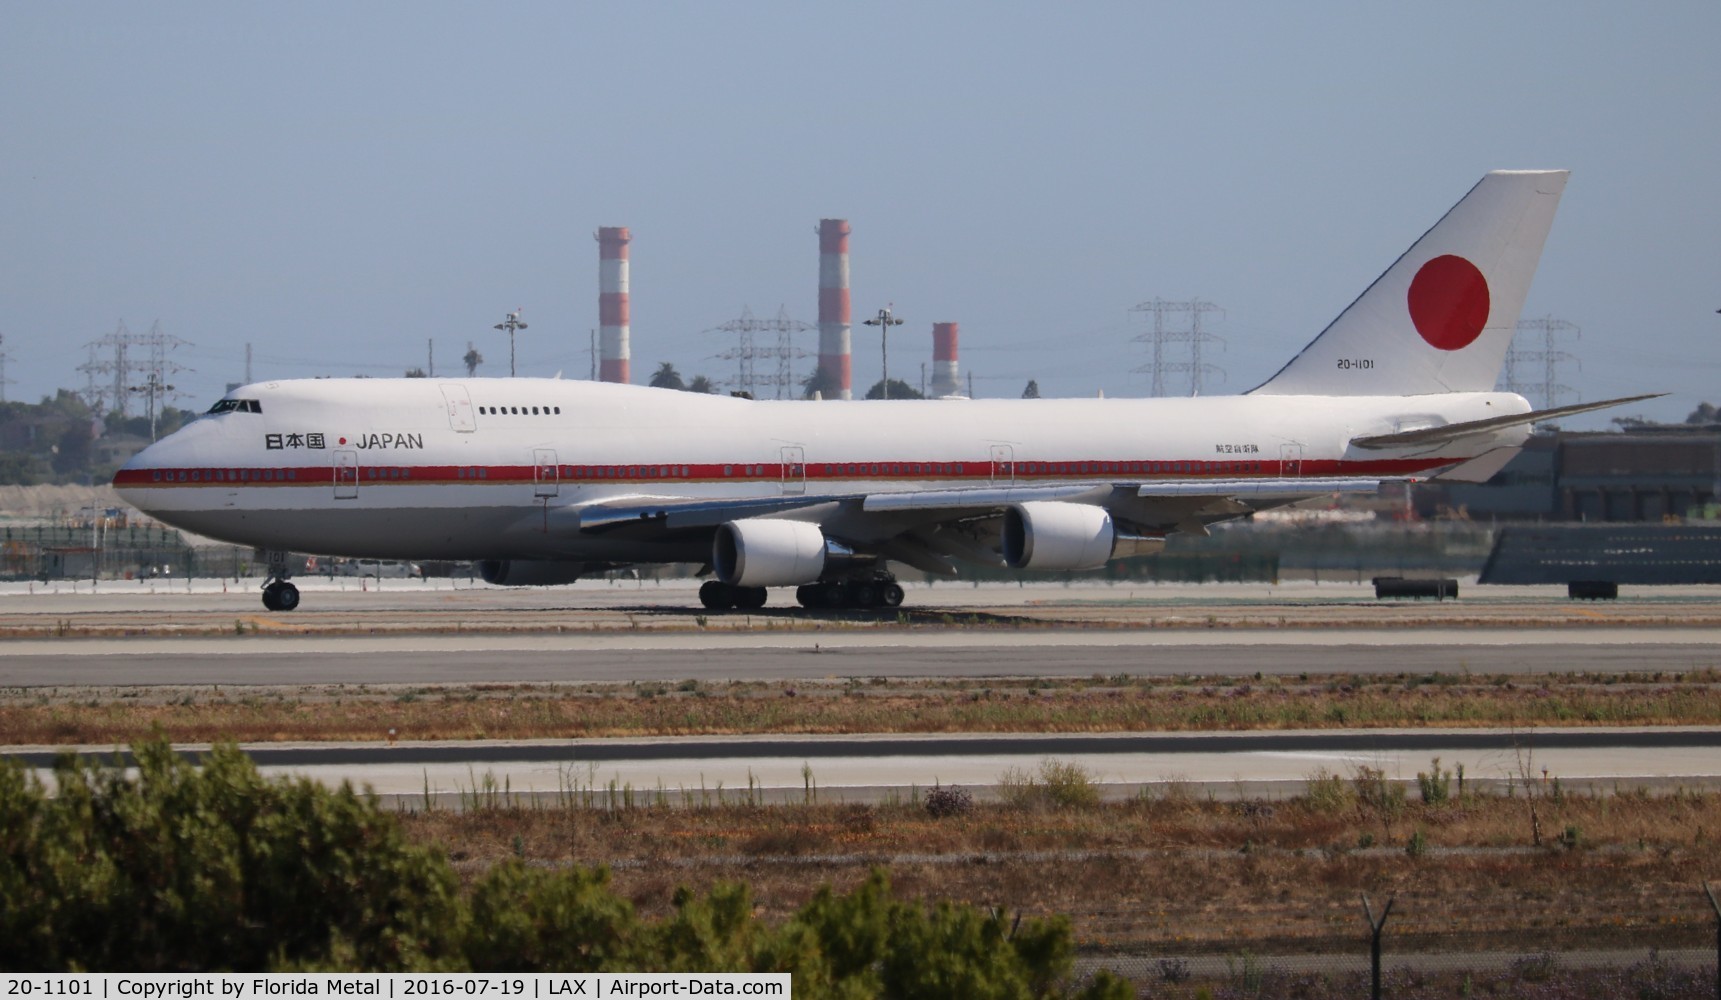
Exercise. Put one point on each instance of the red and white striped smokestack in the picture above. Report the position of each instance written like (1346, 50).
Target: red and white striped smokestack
(944, 360)
(612, 303)
(834, 316)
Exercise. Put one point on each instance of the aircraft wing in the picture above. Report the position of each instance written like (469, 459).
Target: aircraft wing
(924, 527)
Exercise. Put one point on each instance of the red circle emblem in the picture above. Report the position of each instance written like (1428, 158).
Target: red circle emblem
(1449, 302)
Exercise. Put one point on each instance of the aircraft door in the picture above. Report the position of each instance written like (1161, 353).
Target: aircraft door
(459, 405)
(1291, 460)
(346, 474)
(794, 459)
(546, 474)
(1003, 465)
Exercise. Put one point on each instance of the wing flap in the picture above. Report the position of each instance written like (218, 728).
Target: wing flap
(980, 498)
(676, 513)
(1259, 489)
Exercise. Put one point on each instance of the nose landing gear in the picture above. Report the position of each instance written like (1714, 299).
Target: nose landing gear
(278, 594)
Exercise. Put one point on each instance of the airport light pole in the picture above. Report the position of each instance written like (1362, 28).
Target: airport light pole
(511, 323)
(152, 388)
(884, 321)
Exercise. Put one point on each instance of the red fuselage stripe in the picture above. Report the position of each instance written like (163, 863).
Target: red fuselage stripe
(828, 472)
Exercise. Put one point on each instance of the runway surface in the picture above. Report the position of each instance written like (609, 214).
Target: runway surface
(408, 632)
(695, 769)
(415, 634)
(960, 652)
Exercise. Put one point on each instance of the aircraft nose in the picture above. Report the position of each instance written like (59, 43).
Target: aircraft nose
(187, 448)
(138, 472)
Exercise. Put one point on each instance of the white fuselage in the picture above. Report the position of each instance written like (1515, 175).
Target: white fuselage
(479, 468)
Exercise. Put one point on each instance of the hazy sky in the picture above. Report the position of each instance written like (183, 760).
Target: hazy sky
(337, 184)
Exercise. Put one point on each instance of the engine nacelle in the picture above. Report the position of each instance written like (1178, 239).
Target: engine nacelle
(760, 552)
(1047, 534)
(530, 572)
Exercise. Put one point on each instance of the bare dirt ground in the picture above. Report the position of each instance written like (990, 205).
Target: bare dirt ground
(1176, 874)
(105, 716)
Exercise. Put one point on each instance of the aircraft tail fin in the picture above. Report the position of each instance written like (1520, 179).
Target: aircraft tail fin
(1442, 316)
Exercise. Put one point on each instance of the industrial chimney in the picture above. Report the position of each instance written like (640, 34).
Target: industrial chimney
(612, 303)
(834, 316)
(944, 361)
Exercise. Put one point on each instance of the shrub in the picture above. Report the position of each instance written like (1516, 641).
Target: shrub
(1328, 794)
(952, 801)
(1435, 785)
(1061, 785)
(1376, 793)
(1069, 785)
(533, 920)
(180, 867)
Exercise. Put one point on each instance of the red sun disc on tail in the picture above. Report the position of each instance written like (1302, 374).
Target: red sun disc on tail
(1449, 302)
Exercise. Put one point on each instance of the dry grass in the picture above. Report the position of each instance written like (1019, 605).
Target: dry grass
(1099, 704)
(1175, 873)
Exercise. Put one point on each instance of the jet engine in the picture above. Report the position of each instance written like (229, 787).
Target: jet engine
(1044, 534)
(761, 552)
(530, 572)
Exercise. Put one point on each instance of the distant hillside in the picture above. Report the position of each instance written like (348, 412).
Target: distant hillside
(51, 502)
(61, 440)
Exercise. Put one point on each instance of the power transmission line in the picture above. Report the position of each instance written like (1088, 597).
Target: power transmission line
(747, 353)
(1551, 390)
(1197, 338)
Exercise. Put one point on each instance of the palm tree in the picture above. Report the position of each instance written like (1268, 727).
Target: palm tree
(701, 384)
(1032, 391)
(666, 377)
(473, 359)
(822, 382)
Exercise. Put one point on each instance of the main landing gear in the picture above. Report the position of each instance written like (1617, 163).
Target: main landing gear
(838, 594)
(717, 595)
(278, 594)
(834, 595)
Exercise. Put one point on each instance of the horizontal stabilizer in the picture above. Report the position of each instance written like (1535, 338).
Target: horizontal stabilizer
(1452, 432)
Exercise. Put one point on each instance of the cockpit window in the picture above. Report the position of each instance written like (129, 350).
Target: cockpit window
(235, 406)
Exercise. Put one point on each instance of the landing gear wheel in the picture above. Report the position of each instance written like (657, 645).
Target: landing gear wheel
(716, 595)
(864, 595)
(750, 597)
(891, 595)
(280, 596)
(808, 595)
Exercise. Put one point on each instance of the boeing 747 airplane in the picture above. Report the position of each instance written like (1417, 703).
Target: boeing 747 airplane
(543, 480)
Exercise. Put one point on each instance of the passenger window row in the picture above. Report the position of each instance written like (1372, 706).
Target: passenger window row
(625, 472)
(521, 411)
(895, 469)
(223, 475)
